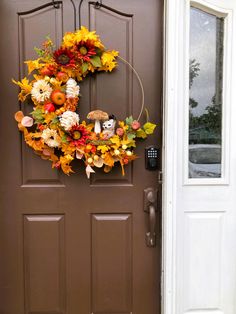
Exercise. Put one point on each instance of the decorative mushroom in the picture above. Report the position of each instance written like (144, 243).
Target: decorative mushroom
(97, 116)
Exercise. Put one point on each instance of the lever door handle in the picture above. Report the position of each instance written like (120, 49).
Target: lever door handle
(151, 235)
(150, 206)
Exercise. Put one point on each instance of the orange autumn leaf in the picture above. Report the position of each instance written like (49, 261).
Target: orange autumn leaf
(108, 160)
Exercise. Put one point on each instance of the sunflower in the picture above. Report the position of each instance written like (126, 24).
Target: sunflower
(79, 134)
(41, 91)
(64, 57)
(85, 50)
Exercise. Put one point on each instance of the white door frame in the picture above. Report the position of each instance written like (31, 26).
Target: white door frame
(174, 95)
(170, 79)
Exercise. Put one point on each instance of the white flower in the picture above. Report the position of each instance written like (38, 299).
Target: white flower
(41, 90)
(68, 119)
(51, 138)
(72, 89)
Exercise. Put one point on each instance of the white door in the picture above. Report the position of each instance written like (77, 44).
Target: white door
(200, 158)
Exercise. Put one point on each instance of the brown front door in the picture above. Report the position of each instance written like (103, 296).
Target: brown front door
(70, 245)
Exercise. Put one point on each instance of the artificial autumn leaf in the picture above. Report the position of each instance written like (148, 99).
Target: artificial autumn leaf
(64, 139)
(67, 149)
(140, 133)
(131, 136)
(108, 160)
(38, 115)
(149, 127)
(25, 86)
(96, 61)
(129, 120)
(64, 162)
(33, 65)
(103, 148)
(121, 124)
(84, 67)
(49, 117)
(55, 120)
(115, 139)
(37, 145)
(108, 60)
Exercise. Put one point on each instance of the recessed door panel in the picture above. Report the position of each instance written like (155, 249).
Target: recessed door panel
(111, 263)
(44, 260)
(34, 171)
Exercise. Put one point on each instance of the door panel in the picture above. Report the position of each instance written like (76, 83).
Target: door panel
(112, 263)
(35, 171)
(71, 245)
(44, 263)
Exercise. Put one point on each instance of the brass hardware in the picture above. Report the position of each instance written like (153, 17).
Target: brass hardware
(150, 207)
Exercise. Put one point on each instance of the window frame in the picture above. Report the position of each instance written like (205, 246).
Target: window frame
(226, 94)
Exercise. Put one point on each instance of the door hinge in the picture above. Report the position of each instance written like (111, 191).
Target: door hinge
(160, 177)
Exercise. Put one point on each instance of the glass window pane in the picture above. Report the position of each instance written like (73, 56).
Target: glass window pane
(205, 94)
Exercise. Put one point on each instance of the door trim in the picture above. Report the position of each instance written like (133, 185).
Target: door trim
(174, 93)
(169, 150)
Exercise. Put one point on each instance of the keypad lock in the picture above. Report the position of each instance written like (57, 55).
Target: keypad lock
(151, 158)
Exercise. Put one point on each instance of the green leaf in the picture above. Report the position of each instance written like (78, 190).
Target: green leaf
(55, 120)
(131, 136)
(40, 52)
(84, 67)
(129, 120)
(141, 134)
(96, 61)
(38, 115)
(149, 127)
(64, 139)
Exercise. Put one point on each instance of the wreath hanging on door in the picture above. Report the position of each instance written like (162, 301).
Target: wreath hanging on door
(54, 129)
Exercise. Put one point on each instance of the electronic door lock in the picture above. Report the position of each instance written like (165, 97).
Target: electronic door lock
(152, 155)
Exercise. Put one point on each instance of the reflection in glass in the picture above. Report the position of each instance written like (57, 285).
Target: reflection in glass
(205, 94)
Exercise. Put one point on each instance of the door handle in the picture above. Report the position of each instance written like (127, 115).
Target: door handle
(150, 207)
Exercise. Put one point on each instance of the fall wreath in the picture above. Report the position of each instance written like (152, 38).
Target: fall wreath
(54, 129)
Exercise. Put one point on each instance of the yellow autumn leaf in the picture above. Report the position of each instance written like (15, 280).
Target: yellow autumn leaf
(64, 162)
(68, 40)
(49, 117)
(108, 57)
(33, 65)
(129, 143)
(25, 86)
(149, 127)
(115, 139)
(103, 148)
(67, 149)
